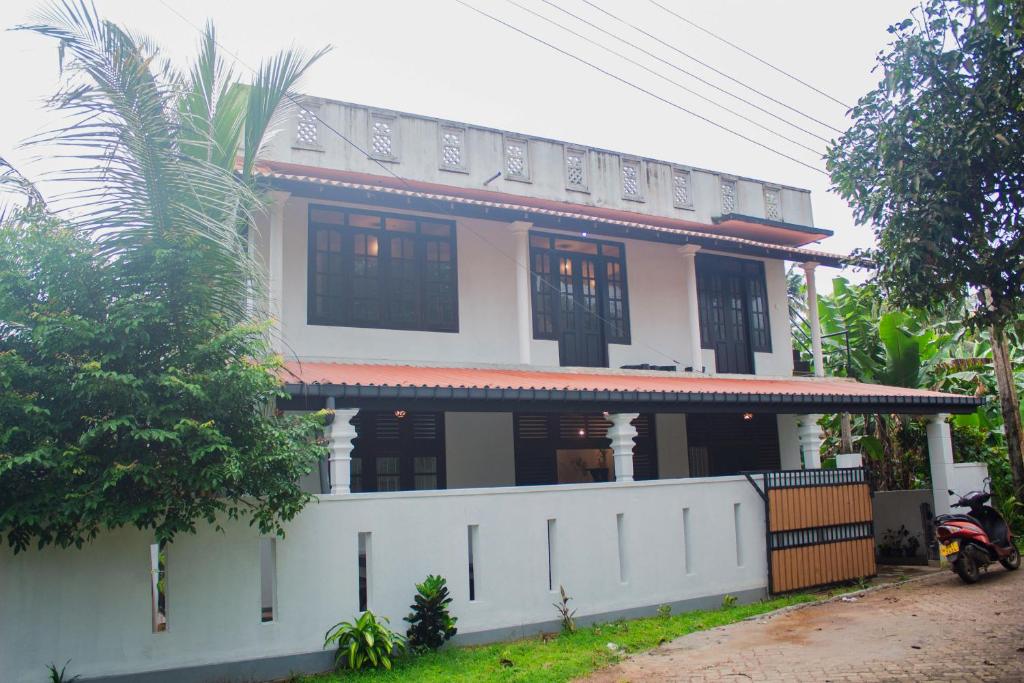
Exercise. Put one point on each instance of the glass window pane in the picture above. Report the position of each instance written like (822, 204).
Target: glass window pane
(325, 215)
(360, 220)
(400, 225)
(438, 229)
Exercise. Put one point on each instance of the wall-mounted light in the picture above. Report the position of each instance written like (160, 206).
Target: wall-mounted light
(584, 233)
(583, 433)
(748, 416)
(400, 414)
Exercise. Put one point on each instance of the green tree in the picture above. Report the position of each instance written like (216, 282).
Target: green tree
(935, 161)
(137, 381)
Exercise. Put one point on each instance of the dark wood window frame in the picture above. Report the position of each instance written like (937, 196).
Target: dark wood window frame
(544, 285)
(755, 290)
(393, 247)
(382, 435)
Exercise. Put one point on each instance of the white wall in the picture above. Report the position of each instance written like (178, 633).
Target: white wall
(93, 605)
(418, 157)
(789, 443)
(967, 477)
(479, 450)
(487, 320)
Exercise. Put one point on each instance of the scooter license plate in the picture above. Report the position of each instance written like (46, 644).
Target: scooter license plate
(947, 550)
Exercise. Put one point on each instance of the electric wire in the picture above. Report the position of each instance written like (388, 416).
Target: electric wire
(710, 67)
(656, 96)
(511, 257)
(684, 71)
(669, 80)
(750, 54)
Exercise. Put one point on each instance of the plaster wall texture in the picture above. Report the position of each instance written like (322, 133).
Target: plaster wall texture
(417, 155)
(93, 605)
(486, 255)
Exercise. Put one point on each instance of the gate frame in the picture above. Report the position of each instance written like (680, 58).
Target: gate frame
(767, 475)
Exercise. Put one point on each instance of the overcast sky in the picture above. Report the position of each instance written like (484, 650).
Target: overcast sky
(439, 58)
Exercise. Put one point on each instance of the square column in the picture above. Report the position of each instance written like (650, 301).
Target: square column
(940, 459)
(810, 436)
(275, 264)
(689, 252)
(341, 432)
(812, 319)
(622, 432)
(521, 229)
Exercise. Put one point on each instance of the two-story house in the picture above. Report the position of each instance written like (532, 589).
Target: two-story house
(549, 365)
(488, 308)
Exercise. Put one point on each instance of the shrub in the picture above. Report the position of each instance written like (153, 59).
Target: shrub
(365, 643)
(60, 675)
(430, 624)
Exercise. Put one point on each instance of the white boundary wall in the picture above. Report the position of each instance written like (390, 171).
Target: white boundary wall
(93, 605)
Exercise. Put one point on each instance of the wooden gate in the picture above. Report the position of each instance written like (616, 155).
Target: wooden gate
(820, 527)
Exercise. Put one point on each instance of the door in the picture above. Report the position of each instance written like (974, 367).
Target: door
(725, 303)
(581, 340)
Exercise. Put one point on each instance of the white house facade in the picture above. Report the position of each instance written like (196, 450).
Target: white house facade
(549, 364)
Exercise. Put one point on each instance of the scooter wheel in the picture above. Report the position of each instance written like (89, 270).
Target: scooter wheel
(966, 568)
(1011, 561)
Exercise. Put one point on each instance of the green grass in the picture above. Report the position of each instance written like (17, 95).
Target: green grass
(560, 657)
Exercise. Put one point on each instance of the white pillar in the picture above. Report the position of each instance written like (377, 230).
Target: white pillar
(689, 252)
(521, 229)
(809, 434)
(940, 459)
(622, 432)
(339, 457)
(275, 263)
(812, 319)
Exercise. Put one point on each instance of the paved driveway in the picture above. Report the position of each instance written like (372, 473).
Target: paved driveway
(897, 633)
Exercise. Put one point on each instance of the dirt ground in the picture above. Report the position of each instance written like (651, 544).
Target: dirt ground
(932, 629)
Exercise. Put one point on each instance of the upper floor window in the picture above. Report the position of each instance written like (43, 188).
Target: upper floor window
(682, 188)
(578, 288)
(576, 168)
(733, 308)
(307, 131)
(369, 269)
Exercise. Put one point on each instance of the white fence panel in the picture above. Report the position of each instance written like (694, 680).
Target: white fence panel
(94, 605)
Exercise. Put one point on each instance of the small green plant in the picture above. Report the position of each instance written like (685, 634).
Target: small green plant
(567, 615)
(664, 611)
(505, 658)
(729, 601)
(430, 623)
(365, 643)
(60, 675)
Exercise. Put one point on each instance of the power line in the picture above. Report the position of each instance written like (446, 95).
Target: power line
(677, 68)
(408, 184)
(749, 54)
(710, 67)
(656, 96)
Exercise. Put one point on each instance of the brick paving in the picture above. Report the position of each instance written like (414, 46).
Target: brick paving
(897, 633)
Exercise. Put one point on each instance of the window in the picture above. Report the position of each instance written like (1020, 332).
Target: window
(632, 180)
(383, 136)
(576, 169)
(517, 159)
(682, 192)
(733, 302)
(546, 283)
(452, 148)
(398, 451)
(773, 203)
(370, 269)
(727, 191)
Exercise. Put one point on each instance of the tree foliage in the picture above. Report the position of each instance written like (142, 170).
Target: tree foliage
(136, 375)
(934, 161)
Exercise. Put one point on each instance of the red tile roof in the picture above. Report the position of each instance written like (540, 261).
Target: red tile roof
(631, 385)
(760, 234)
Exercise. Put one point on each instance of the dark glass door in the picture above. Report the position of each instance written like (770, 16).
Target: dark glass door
(581, 339)
(724, 301)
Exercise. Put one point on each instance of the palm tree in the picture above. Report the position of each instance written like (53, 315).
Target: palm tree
(162, 160)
